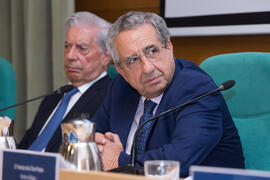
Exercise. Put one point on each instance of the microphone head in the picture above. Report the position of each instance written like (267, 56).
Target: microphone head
(226, 85)
(65, 89)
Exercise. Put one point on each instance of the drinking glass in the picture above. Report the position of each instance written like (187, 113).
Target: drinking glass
(164, 169)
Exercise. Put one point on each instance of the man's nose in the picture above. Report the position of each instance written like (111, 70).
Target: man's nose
(72, 53)
(147, 66)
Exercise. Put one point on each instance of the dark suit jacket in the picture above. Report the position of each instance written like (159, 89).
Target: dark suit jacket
(89, 103)
(201, 133)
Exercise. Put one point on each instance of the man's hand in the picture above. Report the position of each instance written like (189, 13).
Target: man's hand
(100, 140)
(110, 148)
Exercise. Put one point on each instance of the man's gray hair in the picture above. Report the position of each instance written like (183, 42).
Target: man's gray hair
(90, 20)
(133, 20)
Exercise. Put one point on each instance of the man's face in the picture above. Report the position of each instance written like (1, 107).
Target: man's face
(145, 63)
(84, 61)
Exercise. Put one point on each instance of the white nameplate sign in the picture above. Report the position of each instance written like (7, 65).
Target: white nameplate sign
(213, 173)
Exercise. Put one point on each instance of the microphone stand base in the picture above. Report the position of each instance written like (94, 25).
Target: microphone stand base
(136, 170)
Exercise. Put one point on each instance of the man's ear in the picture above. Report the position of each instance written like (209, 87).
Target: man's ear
(106, 59)
(170, 46)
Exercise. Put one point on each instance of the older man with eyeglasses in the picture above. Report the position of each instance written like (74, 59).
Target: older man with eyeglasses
(151, 81)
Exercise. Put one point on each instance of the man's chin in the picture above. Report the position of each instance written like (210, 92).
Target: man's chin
(74, 79)
(74, 74)
(152, 93)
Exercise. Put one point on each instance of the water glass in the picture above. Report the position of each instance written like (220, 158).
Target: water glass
(164, 169)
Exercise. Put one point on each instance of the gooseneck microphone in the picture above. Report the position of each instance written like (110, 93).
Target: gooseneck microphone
(226, 85)
(61, 90)
(131, 168)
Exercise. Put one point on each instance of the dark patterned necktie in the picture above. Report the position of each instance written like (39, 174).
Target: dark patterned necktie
(43, 139)
(143, 134)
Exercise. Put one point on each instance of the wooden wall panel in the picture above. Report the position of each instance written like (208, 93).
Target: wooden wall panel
(195, 49)
(112, 9)
(198, 49)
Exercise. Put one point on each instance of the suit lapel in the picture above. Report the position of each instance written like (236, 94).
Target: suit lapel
(164, 105)
(43, 115)
(86, 97)
(127, 115)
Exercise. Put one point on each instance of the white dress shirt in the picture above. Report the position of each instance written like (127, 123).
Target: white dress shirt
(136, 120)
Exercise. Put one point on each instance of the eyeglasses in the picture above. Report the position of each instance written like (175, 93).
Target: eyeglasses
(83, 49)
(151, 52)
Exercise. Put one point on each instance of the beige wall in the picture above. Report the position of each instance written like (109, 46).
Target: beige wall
(195, 49)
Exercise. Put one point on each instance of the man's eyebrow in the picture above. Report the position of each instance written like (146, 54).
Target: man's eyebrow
(131, 56)
(145, 49)
(82, 44)
(148, 47)
(77, 44)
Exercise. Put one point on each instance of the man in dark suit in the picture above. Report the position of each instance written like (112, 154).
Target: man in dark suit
(86, 61)
(201, 133)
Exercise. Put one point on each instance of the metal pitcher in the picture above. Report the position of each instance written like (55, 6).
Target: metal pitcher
(78, 145)
(7, 140)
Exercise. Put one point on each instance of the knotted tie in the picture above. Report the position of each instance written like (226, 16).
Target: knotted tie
(43, 139)
(143, 134)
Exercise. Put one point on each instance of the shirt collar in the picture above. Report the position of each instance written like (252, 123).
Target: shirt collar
(156, 99)
(85, 86)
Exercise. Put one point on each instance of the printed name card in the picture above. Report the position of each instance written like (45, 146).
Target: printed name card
(212, 173)
(29, 165)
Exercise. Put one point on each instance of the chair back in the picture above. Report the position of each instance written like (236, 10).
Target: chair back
(8, 88)
(112, 72)
(248, 101)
